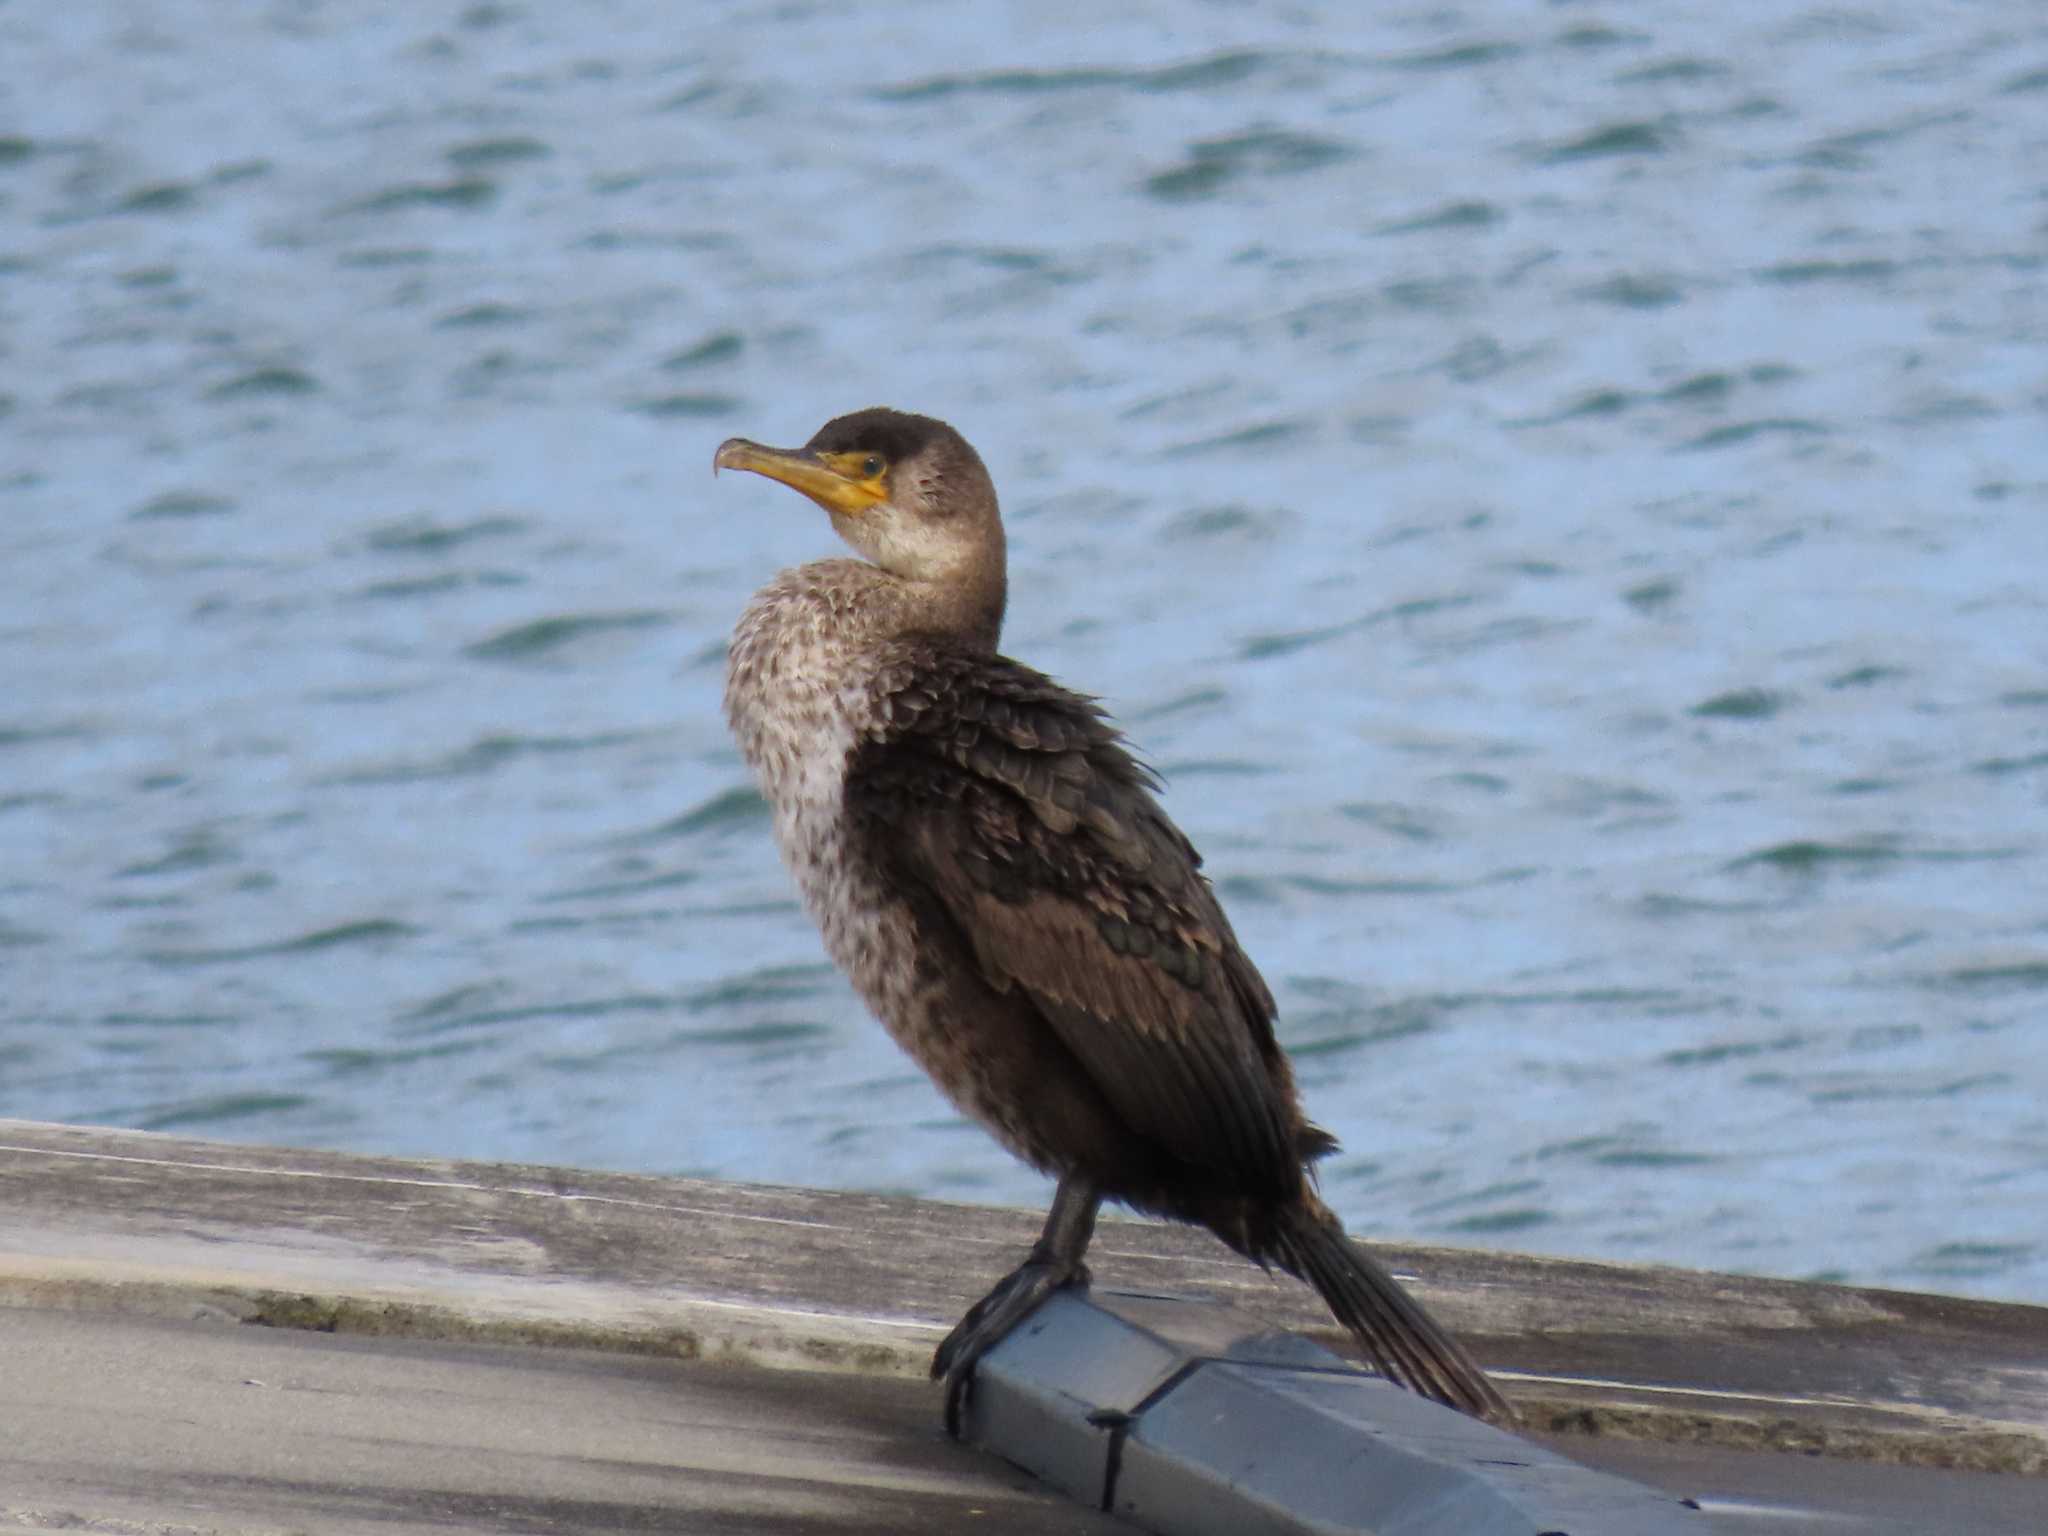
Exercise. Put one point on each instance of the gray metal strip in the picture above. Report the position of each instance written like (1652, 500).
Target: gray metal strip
(1189, 1419)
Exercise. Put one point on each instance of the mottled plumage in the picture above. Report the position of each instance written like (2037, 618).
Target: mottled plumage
(990, 867)
(1012, 802)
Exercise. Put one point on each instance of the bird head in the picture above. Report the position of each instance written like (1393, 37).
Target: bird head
(908, 492)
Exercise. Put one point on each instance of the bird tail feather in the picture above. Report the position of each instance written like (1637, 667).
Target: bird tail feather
(1403, 1342)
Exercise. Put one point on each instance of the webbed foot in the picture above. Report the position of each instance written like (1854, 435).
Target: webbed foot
(1055, 1262)
(989, 1321)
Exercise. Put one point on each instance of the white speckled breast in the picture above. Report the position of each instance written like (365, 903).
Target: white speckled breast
(806, 686)
(800, 695)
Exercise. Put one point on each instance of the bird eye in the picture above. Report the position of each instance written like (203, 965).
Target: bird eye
(871, 465)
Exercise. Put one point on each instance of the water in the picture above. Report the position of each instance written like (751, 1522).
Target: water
(1562, 494)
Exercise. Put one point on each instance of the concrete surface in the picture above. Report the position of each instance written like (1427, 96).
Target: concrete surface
(400, 1379)
(163, 1427)
(157, 1426)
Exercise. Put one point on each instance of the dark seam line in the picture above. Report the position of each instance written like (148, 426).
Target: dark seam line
(1119, 1425)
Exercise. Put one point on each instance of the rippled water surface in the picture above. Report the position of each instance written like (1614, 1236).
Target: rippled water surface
(1561, 491)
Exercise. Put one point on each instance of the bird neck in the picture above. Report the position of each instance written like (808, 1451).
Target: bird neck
(967, 607)
(842, 609)
(961, 602)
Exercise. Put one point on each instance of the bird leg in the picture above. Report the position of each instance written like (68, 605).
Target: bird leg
(1055, 1261)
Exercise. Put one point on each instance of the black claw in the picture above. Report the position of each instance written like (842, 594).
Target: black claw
(990, 1320)
(1055, 1261)
(957, 1390)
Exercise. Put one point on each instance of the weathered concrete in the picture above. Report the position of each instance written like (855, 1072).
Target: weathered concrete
(149, 1232)
(153, 1426)
(805, 1278)
(138, 1426)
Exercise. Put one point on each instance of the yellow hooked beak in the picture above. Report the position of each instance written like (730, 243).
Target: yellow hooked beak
(842, 483)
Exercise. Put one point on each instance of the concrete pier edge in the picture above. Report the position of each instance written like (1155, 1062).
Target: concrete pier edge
(135, 1222)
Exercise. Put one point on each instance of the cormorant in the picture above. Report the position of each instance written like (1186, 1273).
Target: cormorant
(990, 869)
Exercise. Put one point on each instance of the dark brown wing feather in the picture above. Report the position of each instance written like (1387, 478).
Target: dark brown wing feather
(1013, 803)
